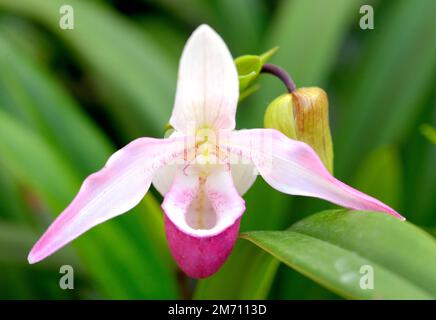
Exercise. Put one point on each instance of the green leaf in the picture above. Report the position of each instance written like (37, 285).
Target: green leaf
(431, 231)
(127, 67)
(292, 285)
(331, 247)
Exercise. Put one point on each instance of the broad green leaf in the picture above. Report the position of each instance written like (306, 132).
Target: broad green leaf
(127, 67)
(120, 269)
(292, 285)
(431, 231)
(385, 95)
(332, 246)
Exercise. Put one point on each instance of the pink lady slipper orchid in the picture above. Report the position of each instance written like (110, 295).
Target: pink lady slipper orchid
(202, 169)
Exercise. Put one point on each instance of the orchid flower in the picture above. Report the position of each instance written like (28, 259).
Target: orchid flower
(202, 169)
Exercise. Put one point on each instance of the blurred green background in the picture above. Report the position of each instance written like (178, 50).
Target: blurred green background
(69, 98)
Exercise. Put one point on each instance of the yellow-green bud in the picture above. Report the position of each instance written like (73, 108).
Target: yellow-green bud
(303, 115)
(280, 115)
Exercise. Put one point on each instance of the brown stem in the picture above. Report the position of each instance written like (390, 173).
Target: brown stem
(281, 74)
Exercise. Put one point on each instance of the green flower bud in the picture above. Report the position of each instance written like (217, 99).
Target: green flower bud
(280, 115)
(303, 115)
(312, 115)
(249, 67)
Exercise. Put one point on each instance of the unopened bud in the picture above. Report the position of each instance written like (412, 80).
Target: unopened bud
(303, 115)
(280, 116)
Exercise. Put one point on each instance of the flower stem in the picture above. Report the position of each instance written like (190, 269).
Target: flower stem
(281, 74)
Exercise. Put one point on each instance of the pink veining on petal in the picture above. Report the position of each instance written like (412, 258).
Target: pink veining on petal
(202, 217)
(293, 167)
(200, 257)
(113, 190)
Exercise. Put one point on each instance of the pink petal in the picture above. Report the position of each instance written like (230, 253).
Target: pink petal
(202, 215)
(293, 167)
(208, 86)
(115, 189)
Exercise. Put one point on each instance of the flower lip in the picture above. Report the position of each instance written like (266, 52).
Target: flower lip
(221, 225)
(200, 257)
(196, 198)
